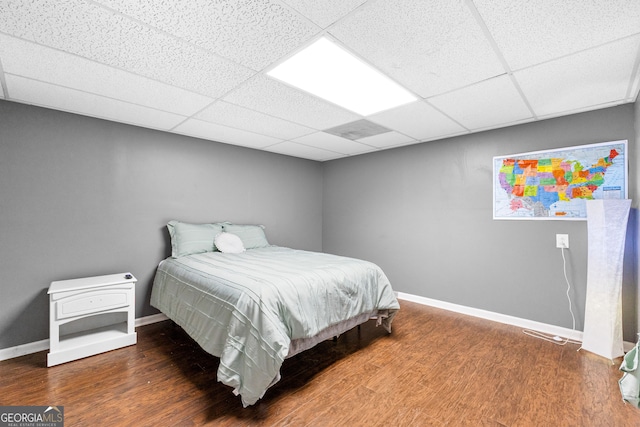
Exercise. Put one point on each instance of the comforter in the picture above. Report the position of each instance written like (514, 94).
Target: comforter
(247, 308)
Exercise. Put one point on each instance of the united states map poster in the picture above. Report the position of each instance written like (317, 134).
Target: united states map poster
(555, 184)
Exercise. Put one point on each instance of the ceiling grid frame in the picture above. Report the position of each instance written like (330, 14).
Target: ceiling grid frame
(501, 58)
(474, 102)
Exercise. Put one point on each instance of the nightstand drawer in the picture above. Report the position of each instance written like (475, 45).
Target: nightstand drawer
(92, 302)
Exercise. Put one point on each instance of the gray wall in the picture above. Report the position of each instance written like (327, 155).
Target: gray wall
(82, 197)
(424, 214)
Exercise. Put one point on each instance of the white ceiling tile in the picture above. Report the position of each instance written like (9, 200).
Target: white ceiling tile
(234, 116)
(530, 32)
(429, 47)
(387, 139)
(333, 143)
(142, 62)
(326, 12)
(304, 151)
(94, 32)
(252, 33)
(589, 78)
(60, 98)
(578, 110)
(485, 104)
(219, 133)
(418, 120)
(40, 63)
(277, 99)
(634, 85)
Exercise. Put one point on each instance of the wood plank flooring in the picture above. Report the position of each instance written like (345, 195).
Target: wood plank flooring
(437, 368)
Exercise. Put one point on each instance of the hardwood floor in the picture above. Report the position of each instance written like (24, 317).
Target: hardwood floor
(437, 368)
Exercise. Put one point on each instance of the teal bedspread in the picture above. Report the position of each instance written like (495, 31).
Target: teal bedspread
(247, 308)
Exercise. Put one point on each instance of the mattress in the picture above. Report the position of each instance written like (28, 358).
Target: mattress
(254, 309)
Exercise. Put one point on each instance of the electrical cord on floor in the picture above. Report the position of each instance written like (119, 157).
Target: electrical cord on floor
(556, 339)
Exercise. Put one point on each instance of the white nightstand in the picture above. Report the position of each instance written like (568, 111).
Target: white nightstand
(90, 315)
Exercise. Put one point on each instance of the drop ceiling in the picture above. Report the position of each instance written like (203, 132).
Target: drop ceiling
(199, 68)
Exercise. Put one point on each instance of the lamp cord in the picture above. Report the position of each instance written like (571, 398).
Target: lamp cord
(556, 339)
(564, 268)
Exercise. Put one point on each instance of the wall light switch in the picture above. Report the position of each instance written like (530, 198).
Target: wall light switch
(562, 241)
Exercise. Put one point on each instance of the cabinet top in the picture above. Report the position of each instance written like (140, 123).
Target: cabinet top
(91, 282)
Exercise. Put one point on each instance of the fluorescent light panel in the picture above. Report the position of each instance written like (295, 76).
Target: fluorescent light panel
(326, 70)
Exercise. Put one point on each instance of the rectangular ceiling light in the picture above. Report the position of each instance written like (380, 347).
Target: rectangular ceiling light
(326, 70)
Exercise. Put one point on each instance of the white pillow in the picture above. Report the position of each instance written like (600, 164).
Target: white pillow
(229, 243)
(252, 236)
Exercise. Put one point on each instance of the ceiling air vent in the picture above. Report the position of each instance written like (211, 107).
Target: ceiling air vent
(357, 130)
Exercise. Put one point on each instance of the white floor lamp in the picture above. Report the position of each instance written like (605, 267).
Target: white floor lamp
(606, 231)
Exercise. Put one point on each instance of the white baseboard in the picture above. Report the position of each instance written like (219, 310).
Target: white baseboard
(502, 318)
(34, 347)
(154, 318)
(23, 349)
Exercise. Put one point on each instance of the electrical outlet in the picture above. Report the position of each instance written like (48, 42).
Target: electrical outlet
(562, 241)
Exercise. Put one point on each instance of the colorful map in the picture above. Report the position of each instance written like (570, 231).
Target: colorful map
(555, 184)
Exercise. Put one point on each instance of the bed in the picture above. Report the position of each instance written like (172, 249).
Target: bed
(256, 304)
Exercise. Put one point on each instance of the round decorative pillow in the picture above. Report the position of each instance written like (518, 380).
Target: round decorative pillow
(229, 243)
